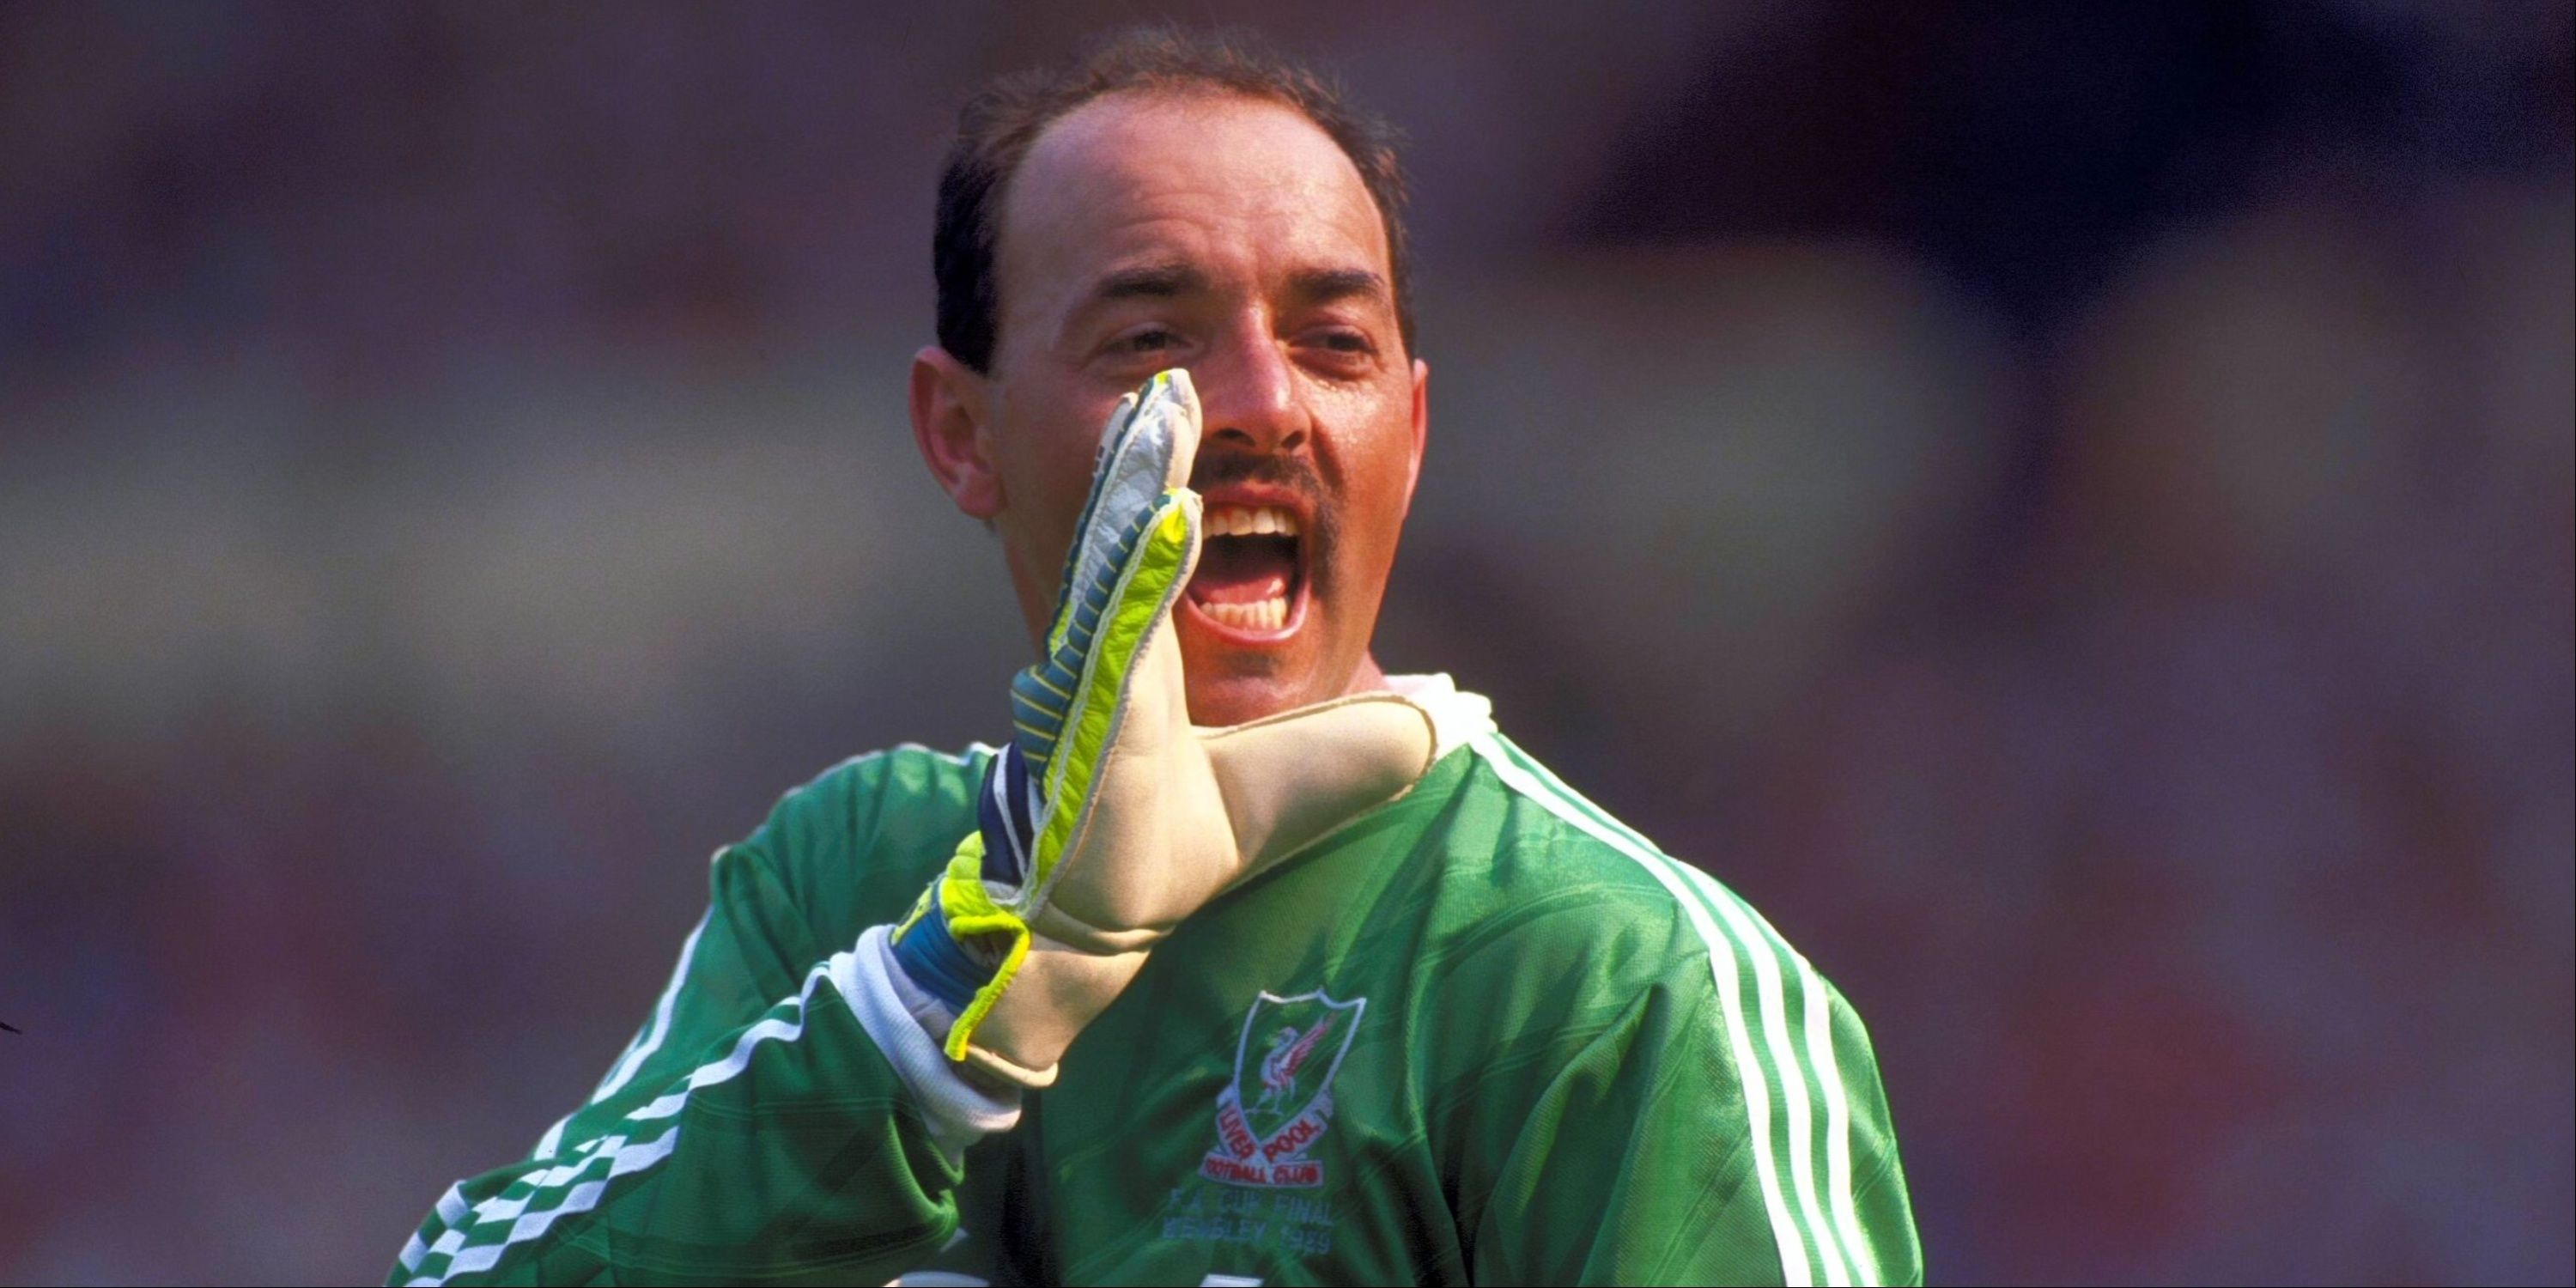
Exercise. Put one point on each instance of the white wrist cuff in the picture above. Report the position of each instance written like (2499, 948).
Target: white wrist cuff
(898, 1016)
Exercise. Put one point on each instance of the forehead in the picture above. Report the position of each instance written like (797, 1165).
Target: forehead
(1226, 182)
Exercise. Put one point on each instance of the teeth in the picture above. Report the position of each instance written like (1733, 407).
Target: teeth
(1250, 520)
(1259, 615)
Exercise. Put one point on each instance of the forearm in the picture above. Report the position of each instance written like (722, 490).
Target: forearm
(822, 1140)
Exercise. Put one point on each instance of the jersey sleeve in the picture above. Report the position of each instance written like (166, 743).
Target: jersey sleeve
(777, 1118)
(1724, 1125)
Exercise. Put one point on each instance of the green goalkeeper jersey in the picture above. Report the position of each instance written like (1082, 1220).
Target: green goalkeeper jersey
(1484, 1034)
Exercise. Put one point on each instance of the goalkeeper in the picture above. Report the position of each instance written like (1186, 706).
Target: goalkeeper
(1239, 961)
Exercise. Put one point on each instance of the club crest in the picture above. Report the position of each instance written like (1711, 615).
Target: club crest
(1281, 1097)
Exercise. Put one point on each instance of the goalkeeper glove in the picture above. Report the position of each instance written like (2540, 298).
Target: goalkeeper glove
(1109, 817)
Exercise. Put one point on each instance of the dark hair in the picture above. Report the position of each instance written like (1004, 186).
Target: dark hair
(997, 125)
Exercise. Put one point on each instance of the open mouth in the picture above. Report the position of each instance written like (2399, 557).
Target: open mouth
(1251, 578)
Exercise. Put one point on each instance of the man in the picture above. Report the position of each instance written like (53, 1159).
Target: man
(1348, 990)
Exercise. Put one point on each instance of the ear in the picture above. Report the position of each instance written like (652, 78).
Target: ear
(1421, 426)
(950, 424)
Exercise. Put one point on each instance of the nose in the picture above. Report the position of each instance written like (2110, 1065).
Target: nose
(1248, 395)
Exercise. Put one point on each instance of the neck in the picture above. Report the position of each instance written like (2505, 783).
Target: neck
(1368, 677)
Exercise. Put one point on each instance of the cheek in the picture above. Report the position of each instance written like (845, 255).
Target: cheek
(1376, 498)
(1046, 452)
(1066, 478)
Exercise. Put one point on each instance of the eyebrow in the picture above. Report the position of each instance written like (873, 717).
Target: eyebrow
(1176, 278)
(1149, 281)
(1327, 285)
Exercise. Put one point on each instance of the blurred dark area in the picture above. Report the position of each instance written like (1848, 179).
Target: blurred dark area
(2071, 509)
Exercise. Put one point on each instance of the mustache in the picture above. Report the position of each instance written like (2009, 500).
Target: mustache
(1291, 473)
(1294, 473)
(1284, 472)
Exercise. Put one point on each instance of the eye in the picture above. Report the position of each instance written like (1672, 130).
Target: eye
(1344, 348)
(1149, 340)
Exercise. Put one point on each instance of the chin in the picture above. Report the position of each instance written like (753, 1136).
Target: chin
(1232, 686)
(1231, 697)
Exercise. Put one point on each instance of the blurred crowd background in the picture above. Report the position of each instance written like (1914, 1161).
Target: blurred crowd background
(2068, 508)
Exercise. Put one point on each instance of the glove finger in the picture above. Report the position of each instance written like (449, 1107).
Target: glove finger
(1080, 557)
(1006, 809)
(1087, 682)
(1178, 406)
(1149, 441)
(1136, 565)
(1146, 448)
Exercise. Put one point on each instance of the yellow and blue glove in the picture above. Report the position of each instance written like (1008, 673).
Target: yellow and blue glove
(1109, 817)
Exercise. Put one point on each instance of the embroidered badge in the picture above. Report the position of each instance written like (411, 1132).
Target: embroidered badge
(1281, 1097)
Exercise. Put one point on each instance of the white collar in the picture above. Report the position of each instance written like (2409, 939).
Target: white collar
(1457, 716)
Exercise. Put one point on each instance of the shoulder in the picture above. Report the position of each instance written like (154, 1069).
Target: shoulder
(1632, 998)
(1544, 853)
(1554, 886)
(854, 846)
(1645, 961)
